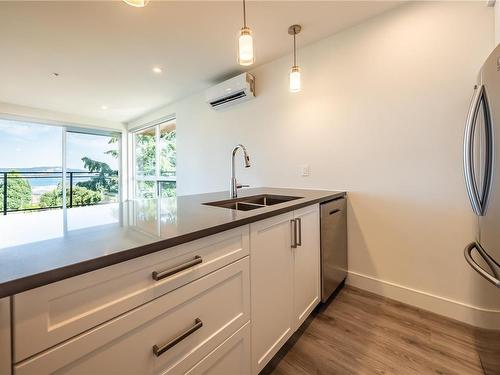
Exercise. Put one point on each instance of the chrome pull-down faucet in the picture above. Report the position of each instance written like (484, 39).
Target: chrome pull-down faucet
(233, 189)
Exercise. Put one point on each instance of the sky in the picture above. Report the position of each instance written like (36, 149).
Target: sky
(25, 145)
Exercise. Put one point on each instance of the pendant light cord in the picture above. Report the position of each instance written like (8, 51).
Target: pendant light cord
(294, 50)
(244, 15)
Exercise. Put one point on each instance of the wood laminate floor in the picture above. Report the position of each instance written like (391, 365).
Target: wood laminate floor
(363, 333)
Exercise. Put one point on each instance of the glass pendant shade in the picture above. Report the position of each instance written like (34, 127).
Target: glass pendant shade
(137, 3)
(246, 54)
(295, 84)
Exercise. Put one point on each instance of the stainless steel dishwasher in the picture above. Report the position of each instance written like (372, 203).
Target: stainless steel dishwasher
(333, 246)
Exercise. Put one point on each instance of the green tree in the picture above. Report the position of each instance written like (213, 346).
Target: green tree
(51, 198)
(113, 152)
(84, 196)
(81, 196)
(146, 159)
(18, 192)
(168, 155)
(168, 162)
(106, 180)
(145, 153)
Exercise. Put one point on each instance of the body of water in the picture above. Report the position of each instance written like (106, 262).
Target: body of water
(51, 179)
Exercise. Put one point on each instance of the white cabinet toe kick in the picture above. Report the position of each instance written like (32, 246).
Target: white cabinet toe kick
(224, 304)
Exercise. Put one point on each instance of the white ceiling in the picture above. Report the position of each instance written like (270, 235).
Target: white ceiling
(104, 52)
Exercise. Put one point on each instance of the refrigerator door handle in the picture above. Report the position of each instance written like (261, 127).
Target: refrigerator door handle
(488, 161)
(492, 264)
(470, 125)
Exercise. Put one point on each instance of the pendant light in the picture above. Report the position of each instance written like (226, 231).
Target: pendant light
(295, 85)
(246, 54)
(137, 3)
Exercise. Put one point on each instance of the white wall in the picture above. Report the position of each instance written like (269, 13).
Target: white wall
(497, 22)
(381, 116)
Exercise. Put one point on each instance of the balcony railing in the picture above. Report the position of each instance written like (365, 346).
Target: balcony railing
(100, 190)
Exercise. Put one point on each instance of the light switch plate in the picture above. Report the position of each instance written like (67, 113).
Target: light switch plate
(305, 170)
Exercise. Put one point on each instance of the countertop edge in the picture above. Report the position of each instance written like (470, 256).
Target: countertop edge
(23, 284)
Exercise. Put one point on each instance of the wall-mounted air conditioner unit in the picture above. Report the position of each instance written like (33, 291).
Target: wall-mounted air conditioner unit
(235, 90)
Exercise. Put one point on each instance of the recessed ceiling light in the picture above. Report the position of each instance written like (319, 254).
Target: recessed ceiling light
(104, 107)
(157, 69)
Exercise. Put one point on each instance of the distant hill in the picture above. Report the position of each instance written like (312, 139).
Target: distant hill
(40, 169)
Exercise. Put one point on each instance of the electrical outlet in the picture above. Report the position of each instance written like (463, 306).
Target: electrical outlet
(305, 171)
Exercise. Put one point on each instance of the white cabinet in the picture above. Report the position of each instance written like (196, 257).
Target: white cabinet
(285, 279)
(231, 358)
(306, 264)
(271, 270)
(46, 316)
(191, 322)
(5, 338)
(227, 314)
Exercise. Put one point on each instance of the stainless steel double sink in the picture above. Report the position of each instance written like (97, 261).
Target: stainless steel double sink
(252, 202)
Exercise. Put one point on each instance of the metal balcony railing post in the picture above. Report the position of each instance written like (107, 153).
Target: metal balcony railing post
(5, 193)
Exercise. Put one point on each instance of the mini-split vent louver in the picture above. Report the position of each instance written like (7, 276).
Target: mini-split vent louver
(235, 90)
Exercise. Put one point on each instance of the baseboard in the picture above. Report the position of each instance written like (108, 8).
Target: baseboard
(475, 316)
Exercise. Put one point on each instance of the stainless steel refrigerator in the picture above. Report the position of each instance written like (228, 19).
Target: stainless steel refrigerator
(482, 180)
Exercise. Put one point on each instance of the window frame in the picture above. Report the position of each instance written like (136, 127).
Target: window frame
(157, 177)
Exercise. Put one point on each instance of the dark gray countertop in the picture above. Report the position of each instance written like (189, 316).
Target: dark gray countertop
(39, 248)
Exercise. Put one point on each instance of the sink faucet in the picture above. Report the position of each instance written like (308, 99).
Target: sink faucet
(233, 190)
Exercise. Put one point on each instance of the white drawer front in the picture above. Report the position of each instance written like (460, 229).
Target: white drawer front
(125, 345)
(46, 316)
(230, 358)
(5, 340)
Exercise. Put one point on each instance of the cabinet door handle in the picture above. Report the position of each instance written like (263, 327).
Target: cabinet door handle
(334, 211)
(159, 350)
(299, 224)
(293, 224)
(181, 267)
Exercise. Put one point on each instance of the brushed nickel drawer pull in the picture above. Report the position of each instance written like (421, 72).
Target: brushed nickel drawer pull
(159, 350)
(299, 222)
(181, 267)
(293, 224)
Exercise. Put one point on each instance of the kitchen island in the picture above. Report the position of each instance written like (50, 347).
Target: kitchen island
(44, 247)
(169, 278)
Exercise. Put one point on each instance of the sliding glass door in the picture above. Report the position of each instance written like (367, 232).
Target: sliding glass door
(30, 165)
(92, 162)
(155, 160)
(34, 158)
